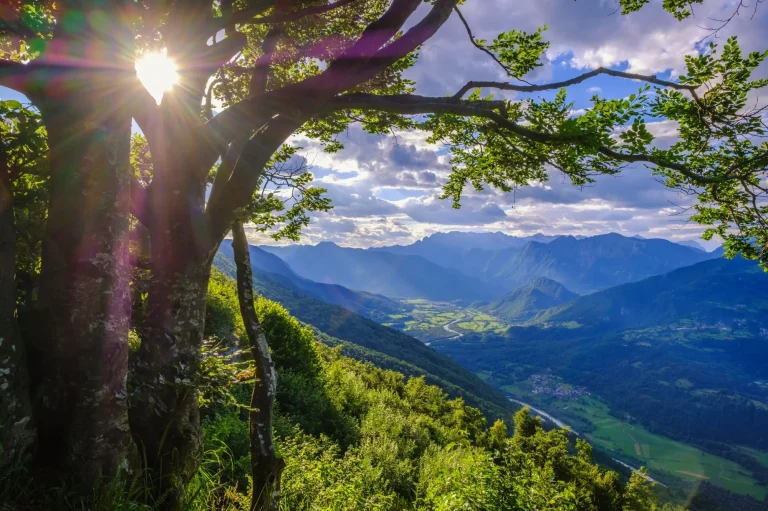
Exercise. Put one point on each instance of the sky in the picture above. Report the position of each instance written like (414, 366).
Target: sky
(385, 189)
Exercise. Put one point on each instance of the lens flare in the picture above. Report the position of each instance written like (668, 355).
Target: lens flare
(158, 73)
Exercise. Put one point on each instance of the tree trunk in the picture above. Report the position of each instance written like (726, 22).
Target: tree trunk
(166, 417)
(83, 351)
(266, 466)
(17, 433)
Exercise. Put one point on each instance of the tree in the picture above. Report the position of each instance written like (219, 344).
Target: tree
(280, 67)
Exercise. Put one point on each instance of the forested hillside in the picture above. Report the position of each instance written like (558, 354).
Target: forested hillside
(525, 302)
(379, 342)
(356, 437)
(366, 304)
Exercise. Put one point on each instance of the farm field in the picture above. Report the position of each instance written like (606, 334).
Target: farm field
(637, 446)
(426, 320)
(480, 322)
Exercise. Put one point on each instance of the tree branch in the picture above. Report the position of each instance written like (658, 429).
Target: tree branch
(144, 110)
(249, 15)
(573, 81)
(407, 104)
(309, 94)
(266, 465)
(480, 46)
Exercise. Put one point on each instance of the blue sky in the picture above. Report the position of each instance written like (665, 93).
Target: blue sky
(386, 188)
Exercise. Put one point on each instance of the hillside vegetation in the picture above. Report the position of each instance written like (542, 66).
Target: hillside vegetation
(358, 437)
(369, 340)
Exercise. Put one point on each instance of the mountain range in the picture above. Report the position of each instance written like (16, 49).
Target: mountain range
(381, 272)
(678, 352)
(483, 266)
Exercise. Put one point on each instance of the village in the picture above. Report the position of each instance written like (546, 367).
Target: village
(548, 385)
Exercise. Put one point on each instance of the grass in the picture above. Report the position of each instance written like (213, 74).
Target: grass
(637, 446)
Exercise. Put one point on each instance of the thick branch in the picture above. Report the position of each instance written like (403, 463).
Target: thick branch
(407, 104)
(220, 53)
(249, 15)
(573, 81)
(266, 466)
(649, 158)
(144, 110)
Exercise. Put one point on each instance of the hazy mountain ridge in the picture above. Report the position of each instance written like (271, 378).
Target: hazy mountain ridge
(459, 266)
(271, 267)
(591, 264)
(381, 272)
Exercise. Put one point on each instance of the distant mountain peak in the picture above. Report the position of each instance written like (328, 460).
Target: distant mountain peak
(525, 302)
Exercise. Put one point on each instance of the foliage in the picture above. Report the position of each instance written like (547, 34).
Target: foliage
(23, 148)
(407, 445)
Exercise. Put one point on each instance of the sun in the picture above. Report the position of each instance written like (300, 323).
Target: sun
(157, 72)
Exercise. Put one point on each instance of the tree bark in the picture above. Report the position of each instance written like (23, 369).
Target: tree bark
(166, 417)
(266, 466)
(83, 351)
(17, 432)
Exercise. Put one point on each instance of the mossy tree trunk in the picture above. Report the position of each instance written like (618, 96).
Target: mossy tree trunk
(81, 396)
